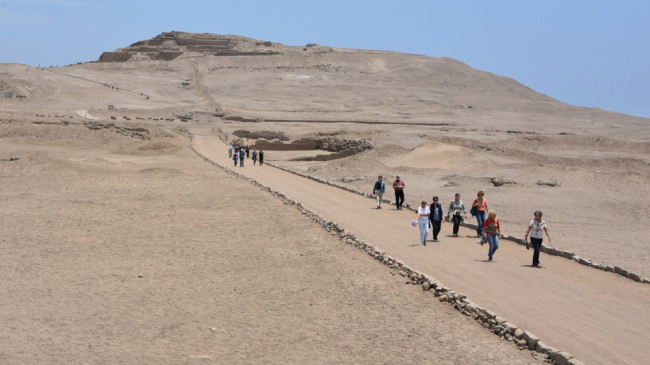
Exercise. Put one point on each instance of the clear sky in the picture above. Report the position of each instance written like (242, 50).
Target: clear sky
(593, 53)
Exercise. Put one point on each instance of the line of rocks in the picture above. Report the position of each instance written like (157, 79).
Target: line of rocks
(546, 249)
(499, 326)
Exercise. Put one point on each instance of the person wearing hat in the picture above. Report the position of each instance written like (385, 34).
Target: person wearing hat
(398, 186)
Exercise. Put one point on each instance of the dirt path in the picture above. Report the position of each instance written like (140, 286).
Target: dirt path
(598, 317)
(127, 92)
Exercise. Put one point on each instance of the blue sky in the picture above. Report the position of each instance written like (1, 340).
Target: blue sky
(588, 53)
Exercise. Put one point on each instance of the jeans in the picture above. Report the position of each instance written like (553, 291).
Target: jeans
(493, 240)
(399, 198)
(379, 195)
(537, 245)
(436, 225)
(480, 217)
(424, 231)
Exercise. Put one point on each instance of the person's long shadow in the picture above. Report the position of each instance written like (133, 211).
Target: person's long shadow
(531, 266)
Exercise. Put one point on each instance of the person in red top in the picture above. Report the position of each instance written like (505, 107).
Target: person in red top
(492, 232)
(481, 208)
(399, 185)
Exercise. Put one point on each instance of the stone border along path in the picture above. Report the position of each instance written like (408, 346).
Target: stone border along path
(546, 249)
(497, 325)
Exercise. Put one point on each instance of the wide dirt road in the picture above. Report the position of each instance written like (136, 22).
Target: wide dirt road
(599, 317)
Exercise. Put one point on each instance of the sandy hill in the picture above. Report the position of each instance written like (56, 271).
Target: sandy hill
(252, 79)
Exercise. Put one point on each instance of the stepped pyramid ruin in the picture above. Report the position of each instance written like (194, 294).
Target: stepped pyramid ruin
(170, 45)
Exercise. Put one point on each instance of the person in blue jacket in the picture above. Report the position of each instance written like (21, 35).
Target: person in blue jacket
(436, 217)
(378, 190)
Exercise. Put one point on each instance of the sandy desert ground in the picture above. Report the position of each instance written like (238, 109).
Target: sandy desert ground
(118, 238)
(138, 252)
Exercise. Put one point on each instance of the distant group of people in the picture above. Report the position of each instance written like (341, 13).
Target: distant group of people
(239, 153)
(488, 225)
(110, 86)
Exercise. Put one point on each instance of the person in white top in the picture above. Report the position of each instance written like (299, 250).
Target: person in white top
(423, 221)
(536, 228)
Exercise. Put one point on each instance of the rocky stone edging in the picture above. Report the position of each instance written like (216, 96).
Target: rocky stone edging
(496, 324)
(546, 249)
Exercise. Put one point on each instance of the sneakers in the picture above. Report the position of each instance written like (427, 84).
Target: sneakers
(435, 240)
(455, 234)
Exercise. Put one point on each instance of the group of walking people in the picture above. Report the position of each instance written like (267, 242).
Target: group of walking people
(379, 189)
(488, 226)
(239, 153)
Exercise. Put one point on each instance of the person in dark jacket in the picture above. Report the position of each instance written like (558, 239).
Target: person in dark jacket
(436, 217)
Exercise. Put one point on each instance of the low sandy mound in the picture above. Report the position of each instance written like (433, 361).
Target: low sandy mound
(435, 155)
(156, 146)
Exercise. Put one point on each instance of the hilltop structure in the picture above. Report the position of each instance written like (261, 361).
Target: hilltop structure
(169, 45)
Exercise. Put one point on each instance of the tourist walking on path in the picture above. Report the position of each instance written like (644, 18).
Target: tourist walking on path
(536, 228)
(398, 186)
(261, 157)
(241, 157)
(378, 190)
(436, 216)
(457, 213)
(481, 208)
(235, 157)
(229, 150)
(254, 157)
(423, 221)
(248, 151)
(492, 232)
